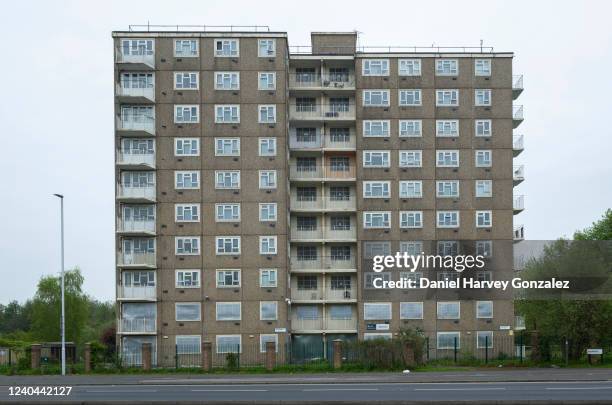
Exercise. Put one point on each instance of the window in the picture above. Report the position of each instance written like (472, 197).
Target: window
(448, 248)
(372, 278)
(448, 340)
(266, 48)
(265, 338)
(188, 344)
(340, 223)
(186, 147)
(377, 336)
(375, 67)
(228, 278)
(484, 188)
(411, 310)
(227, 114)
(227, 245)
(411, 189)
(484, 340)
(376, 158)
(376, 98)
(411, 219)
(228, 311)
(137, 81)
(448, 219)
(376, 189)
(186, 114)
(447, 189)
(267, 212)
(267, 114)
(229, 344)
(268, 310)
(185, 48)
(306, 223)
(484, 219)
(482, 67)
(187, 212)
(376, 128)
(413, 248)
(136, 47)
(227, 146)
(143, 278)
(186, 80)
(447, 127)
(227, 80)
(267, 146)
(137, 146)
(410, 158)
(188, 311)
(376, 219)
(340, 253)
(447, 67)
(377, 311)
(482, 97)
(372, 249)
(267, 278)
(483, 158)
(187, 245)
(411, 128)
(446, 98)
(226, 48)
(410, 98)
(448, 310)
(227, 179)
(484, 309)
(483, 127)
(267, 245)
(228, 212)
(267, 179)
(186, 180)
(267, 81)
(410, 67)
(137, 115)
(188, 278)
(447, 158)
(339, 135)
(308, 282)
(341, 282)
(484, 248)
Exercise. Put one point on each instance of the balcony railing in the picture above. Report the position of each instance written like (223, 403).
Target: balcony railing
(326, 203)
(136, 192)
(324, 234)
(319, 294)
(136, 226)
(517, 85)
(341, 294)
(137, 293)
(136, 259)
(136, 159)
(322, 263)
(144, 57)
(517, 115)
(518, 204)
(517, 144)
(315, 80)
(138, 325)
(141, 123)
(322, 112)
(320, 141)
(321, 172)
(519, 233)
(323, 324)
(518, 174)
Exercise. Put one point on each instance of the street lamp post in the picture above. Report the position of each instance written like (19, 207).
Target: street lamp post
(62, 317)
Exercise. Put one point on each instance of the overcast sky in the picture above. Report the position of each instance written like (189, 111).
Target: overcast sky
(57, 108)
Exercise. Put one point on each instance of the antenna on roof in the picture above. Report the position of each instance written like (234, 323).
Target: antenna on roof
(481, 41)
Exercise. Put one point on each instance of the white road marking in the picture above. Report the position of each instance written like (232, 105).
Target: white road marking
(579, 388)
(229, 390)
(120, 391)
(458, 389)
(341, 389)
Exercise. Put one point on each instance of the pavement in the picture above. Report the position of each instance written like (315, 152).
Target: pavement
(476, 386)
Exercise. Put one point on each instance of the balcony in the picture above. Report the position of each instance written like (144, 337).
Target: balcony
(133, 293)
(517, 86)
(132, 91)
(322, 112)
(323, 324)
(322, 173)
(518, 175)
(128, 159)
(323, 204)
(321, 141)
(134, 193)
(142, 59)
(136, 260)
(327, 81)
(517, 115)
(328, 264)
(519, 233)
(138, 326)
(517, 145)
(518, 204)
(142, 125)
(321, 235)
(146, 227)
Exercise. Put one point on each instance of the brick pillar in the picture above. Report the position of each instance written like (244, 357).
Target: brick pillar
(206, 356)
(408, 354)
(146, 356)
(270, 356)
(536, 355)
(35, 354)
(337, 353)
(87, 355)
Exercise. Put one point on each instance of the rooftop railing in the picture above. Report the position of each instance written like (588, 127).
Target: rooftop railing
(307, 49)
(203, 28)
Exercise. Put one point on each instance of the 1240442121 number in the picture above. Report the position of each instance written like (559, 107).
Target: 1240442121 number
(40, 391)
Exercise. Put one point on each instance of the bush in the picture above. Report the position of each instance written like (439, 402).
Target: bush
(231, 361)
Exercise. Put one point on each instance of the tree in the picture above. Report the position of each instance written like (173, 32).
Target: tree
(15, 317)
(46, 307)
(600, 230)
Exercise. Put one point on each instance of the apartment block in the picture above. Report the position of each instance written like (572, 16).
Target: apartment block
(255, 182)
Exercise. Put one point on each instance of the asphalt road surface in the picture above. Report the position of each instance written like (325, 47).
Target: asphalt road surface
(363, 392)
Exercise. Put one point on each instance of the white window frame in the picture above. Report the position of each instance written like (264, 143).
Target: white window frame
(270, 148)
(441, 95)
(236, 277)
(191, 175)
(224, 207)
(267, 107)
(262, 346)
(418, 303)
(369, 317)
(191, 74)
(443, 152)
(192, 271)
(417, 126)
(268, 53)
(482, 67)
(191, 55)
(385, 130)
(261, 304)
(228, 303)
(484, 333)
(416, 96)
(458, 334)
(261, 207)
(386, 217)
(484, 219)
(478, 312)
(458, 303)
(385, 187)
(417, 185)
(367, 157)
(179, 346)
(190, 206)
(191, 239)
(272, 250)
(403, 158)
(191, 107)
(484, 153)
(233, 84)
(417, 218)
(220, 253)
(385, 97)
(411, 67)
(377, 335)
(229, 40)
(272, 179)
(483, 184)
(232, 172)
(260, 75)
(220, 119)
(485, 125)
(270, 271)
(452, 70)
(178, 304)
(447, 128)
(232, 141)
(366, 69)
(454, 184)
(217, 346)
(451, 213)
(181, 141)
(485, 94)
